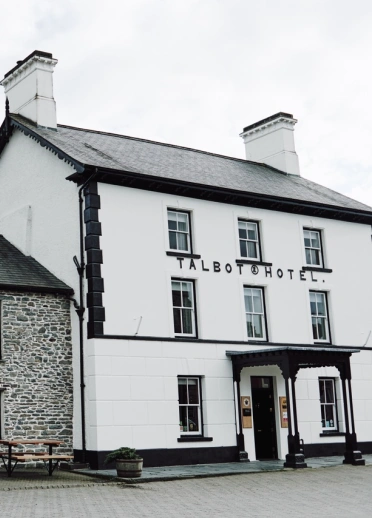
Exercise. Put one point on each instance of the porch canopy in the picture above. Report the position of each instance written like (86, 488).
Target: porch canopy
(290, 359)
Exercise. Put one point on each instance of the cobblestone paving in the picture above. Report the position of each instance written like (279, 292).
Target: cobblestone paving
(343, 491)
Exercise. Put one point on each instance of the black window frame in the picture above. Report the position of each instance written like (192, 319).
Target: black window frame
(315, 340)
(336, 428)
(246, 258)
(185, 335)
(265, 327)
(173, 251)
(315, 266)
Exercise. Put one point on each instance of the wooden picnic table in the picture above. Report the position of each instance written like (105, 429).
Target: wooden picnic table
(7, 458)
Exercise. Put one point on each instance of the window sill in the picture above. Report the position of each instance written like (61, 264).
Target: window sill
(184, 254)
(332, 434)
(316, 269)
(250, 261)
(197, 438)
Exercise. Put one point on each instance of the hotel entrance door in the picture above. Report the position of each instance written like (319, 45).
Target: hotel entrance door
(264, 417)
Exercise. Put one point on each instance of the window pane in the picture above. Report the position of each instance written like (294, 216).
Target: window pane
(193, 386)
(183, 418)
(182, 242)
(257, 301)
(193, 419)
(183, 222)
(173, 240)
(315, 243)
(320, 304)
(321, 328)
(182, 391)
(248, 301)
(243, 249)
(315, 257)
(308, 256)
(323, 416)
(242, 232)
(249, 326)
(177, 320)
(314, 327)
(172, 220)
(329, 396)
(176, 293)
(252, 231)
(321, 390)
(257, 324)
(186, 295)
(252, 249)
(187, 321)
(329, 416)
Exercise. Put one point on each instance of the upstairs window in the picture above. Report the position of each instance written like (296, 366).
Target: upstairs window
(255, 313)
(328, 406)
(183, 308)
(249, 243)
(179, 231)
(319, 316)
(189, 405)
(313, 248)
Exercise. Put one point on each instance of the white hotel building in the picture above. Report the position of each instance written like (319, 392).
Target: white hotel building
(228, 305)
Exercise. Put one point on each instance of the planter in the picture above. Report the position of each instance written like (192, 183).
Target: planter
(129, 468)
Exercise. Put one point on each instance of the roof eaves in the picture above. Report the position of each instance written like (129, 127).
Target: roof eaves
(225, 195)
(78, 166)
(37, 289)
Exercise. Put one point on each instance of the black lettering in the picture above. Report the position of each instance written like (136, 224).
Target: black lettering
(204, 269)
(240, 266)
(290, 273)
(279, 273)
(302, 275)
(216, 266)
(180, 259)
(312, 278)
(268, 271)
(192, 264)
(228, 268)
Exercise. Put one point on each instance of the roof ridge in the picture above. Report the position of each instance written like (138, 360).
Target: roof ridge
(169, 145)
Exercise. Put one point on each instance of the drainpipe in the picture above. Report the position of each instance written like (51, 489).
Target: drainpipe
(80, 310)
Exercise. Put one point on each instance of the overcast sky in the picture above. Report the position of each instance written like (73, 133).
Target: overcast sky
(195, 72)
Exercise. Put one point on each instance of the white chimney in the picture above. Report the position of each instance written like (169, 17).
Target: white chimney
(271, 141)
(29, 89)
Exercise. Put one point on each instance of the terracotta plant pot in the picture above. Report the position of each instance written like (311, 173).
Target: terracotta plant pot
(129, 468)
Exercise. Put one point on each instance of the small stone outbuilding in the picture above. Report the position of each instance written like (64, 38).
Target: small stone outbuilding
(36, 387)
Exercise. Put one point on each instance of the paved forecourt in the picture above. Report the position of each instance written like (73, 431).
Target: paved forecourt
(342, 491)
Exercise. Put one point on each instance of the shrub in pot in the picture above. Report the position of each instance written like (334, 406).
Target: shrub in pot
(128, 463)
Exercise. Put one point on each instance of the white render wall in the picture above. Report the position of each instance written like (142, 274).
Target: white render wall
(133, 397)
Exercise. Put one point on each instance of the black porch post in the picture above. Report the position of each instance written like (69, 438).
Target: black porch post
(295, 457)
(352, 454)
(243, 455)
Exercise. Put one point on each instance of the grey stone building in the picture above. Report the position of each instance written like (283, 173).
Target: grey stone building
(36, 387)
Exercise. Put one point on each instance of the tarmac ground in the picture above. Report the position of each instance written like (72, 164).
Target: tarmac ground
(328, 488)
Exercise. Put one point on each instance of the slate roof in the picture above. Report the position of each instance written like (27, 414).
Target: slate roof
(21, 272)
(154, 159)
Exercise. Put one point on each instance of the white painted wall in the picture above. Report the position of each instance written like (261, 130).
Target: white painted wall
(133, 396)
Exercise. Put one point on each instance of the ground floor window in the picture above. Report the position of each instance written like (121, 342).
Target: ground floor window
(189, 398)
(328, 404)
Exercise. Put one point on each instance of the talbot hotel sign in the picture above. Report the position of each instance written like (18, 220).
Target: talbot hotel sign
(266, 268)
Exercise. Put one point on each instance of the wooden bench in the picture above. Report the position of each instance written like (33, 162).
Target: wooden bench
(36, 456)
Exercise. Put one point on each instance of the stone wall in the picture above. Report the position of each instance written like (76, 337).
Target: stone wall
(36, 367)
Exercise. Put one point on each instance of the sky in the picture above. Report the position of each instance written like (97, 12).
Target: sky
(195, 72)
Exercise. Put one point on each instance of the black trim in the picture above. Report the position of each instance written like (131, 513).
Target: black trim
(329, 449)
(93, 230)
(39, 53)
(200, 438)
(262, 122)
(258, 263)
(316, 269)
(37, 289)
(225, 342)
(168, 456)
(332, 434)
(181, 254)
